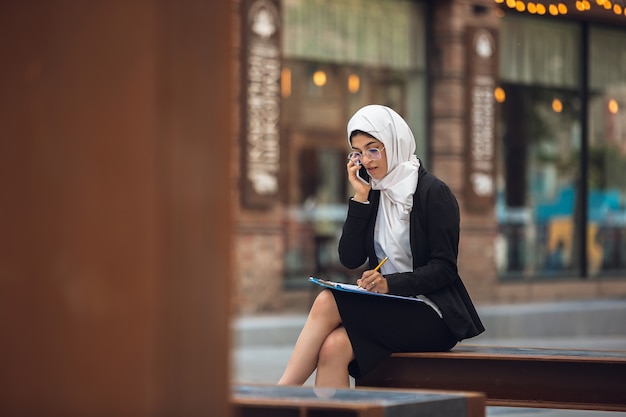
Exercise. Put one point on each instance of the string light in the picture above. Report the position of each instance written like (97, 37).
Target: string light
(558, 8)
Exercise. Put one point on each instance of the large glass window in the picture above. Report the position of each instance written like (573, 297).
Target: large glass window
(607, 152)
(338, 56)
(540, 141)
(561, 189)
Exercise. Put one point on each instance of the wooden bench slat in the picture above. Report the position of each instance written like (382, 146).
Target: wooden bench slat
(531, 354)
(553, 378)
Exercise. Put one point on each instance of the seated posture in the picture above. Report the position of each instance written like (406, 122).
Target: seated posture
(403, 213)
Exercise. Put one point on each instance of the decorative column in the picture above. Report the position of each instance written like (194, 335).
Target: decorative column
(463, 75)
(259, 241)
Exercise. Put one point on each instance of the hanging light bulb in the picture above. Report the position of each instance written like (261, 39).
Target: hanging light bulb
(285, 82)
(499, 94)
(319, 78)
(354, 83)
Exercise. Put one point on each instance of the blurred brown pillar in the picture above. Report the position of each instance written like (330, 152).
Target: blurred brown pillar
(115, 228)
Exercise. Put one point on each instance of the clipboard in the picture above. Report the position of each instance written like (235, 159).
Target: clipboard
(339, 286)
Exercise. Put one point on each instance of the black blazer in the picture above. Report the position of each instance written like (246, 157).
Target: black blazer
(435, 229)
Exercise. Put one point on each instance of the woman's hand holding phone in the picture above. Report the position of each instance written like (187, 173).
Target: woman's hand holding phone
(361, 188)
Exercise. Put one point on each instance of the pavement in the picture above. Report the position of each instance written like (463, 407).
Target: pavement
(262, 344)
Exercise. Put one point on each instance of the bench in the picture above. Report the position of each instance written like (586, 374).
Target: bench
(292, 401)
(514, 377)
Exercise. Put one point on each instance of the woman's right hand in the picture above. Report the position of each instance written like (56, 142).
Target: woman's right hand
(361, 189)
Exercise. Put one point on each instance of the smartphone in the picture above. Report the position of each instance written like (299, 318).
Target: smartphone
(363, 175)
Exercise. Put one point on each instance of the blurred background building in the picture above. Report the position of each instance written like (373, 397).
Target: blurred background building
(519, 106)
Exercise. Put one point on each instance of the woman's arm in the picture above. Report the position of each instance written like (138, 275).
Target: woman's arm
(352, 244)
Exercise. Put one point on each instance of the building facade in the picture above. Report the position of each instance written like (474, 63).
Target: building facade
(519, 106)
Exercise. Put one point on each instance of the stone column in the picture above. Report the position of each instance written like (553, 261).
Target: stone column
(256, 179)
(449, 148)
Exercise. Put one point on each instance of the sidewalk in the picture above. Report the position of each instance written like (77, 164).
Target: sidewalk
(263, 344)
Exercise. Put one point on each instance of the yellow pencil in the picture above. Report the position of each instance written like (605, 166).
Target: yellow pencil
(378, 266)
(381, 263)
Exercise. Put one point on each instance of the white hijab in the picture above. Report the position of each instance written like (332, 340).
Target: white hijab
(391, 233)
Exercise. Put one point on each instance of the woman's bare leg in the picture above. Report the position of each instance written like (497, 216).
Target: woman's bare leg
(334, 357)
(322, 320)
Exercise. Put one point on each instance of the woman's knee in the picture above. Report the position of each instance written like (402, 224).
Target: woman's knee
(324, 304)
(336, 348)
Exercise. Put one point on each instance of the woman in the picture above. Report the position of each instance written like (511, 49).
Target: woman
(408, 215)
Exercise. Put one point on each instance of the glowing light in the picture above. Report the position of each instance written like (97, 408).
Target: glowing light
(285, 82)
(354, 83)
(557, 105)
(559, 8)
(319, 78)
(613, 106)
(499, 94)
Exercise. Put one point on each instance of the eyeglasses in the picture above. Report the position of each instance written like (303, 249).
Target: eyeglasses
(372, 153)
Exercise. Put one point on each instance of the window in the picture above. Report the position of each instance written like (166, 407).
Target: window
(562, 150)
(340, 55)
(606, 177)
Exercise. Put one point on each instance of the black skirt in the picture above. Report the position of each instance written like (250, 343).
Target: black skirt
(379, 326)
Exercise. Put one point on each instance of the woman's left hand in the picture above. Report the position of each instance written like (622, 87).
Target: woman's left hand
(373, 281)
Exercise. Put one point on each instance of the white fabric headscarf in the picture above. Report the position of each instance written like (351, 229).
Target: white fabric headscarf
(391, 233)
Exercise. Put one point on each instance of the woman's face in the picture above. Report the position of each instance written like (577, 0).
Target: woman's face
(377, 168)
